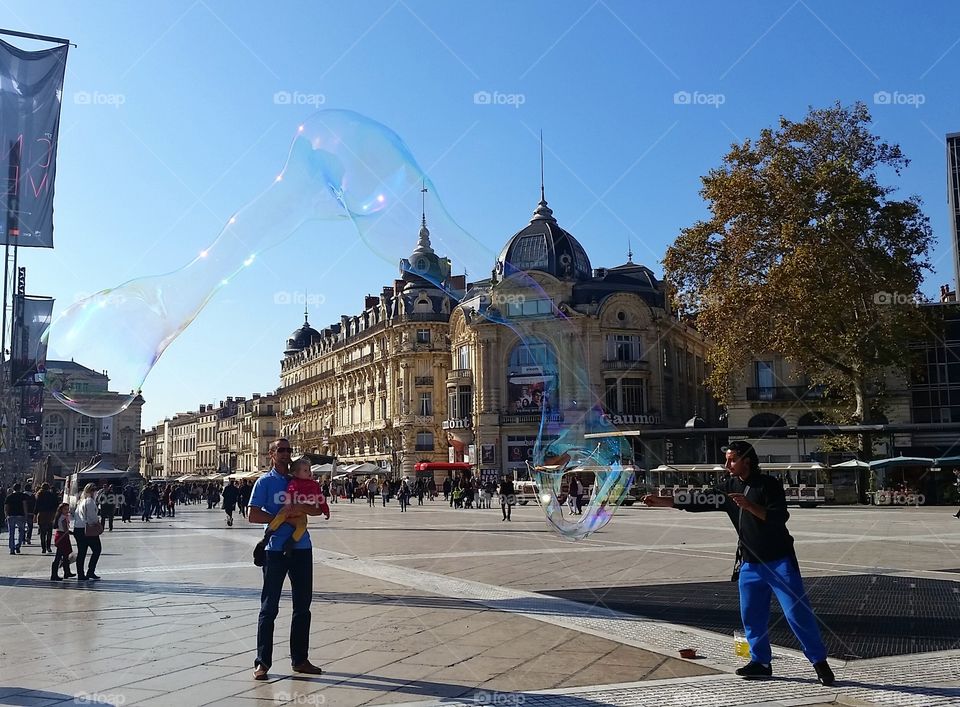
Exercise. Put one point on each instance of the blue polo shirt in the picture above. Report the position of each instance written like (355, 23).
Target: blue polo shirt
(268, 493)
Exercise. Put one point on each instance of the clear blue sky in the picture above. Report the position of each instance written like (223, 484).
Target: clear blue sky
(170, 124)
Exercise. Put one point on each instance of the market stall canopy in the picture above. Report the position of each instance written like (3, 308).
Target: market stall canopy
(901, 461)
(105, 469)
(366, 468)
(322, 469)
(852, 464)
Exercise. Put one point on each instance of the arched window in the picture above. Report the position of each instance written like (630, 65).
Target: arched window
(767, 420)
(53, 434)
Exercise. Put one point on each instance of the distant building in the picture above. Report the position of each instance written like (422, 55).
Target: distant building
(71, 438)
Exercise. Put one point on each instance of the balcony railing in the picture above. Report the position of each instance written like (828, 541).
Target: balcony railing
(528, 418)
(423, 380)
(423, 448)
(459, 374)
(618, 365)
(785, 393)
(358, 363)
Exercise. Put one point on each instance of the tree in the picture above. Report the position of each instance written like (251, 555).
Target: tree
(808, 255)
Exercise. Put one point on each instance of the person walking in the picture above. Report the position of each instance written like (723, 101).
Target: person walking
(146, 502)
(15, 509)
(266, 500)
(766, 560)
(447, 485)
(107, 507)
(87, 531)
(403, 495)
(129, 500)
(46, 508)
(243, 497)
(371, 491)
(508, 496)
(230, 496)
(30, 510)
(62, 541)
(385, 492)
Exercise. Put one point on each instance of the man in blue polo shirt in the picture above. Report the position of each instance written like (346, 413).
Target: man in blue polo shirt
(266, 500)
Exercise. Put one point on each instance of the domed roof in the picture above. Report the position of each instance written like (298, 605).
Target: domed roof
(424, 268)
(302, 338)
(544, 246)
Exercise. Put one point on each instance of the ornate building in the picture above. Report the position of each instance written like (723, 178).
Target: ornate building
(71, 438)
(620, 353)
(371, 387)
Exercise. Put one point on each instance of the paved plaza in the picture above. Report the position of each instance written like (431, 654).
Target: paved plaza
(458, 607)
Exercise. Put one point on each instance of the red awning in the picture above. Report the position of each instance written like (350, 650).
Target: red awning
(443, 466)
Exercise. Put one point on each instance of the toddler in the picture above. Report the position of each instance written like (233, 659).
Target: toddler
(301, 489)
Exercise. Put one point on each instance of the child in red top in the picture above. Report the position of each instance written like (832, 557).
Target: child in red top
(302, 489)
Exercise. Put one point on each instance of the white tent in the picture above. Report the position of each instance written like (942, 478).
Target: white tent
(322, 469)
(348, 469)
(366, 468)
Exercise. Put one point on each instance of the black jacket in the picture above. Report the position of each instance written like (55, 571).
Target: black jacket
(760, 540)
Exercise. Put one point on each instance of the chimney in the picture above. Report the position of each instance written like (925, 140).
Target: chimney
(458, 282)
(370, 302)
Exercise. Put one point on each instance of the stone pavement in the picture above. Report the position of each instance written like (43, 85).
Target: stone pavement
(441, 606)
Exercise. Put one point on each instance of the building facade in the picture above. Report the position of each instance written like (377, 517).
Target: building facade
(371, 387)
(70, 438)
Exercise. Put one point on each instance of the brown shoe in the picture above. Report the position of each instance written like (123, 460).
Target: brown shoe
(307, 667)
(260, 673)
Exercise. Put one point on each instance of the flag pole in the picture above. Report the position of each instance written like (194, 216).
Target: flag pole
(40, 37)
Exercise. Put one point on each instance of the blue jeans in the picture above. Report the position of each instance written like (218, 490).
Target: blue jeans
(16, 523)
(299, 565)
(781, 577)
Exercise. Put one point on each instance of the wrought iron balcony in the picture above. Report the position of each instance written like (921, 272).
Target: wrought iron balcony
(785, 393)
(529, 418)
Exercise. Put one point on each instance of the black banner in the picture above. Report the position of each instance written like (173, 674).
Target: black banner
(32, 316)
(31, 85)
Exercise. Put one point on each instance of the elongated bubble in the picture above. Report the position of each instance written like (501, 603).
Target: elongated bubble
(347, 181)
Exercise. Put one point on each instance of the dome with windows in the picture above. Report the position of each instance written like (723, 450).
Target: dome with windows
(302, 338)
(545, 247)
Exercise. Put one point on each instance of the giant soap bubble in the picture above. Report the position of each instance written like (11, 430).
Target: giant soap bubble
(347, 177)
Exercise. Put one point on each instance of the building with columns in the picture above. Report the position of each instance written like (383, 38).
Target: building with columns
(548, 335)
(70, 438)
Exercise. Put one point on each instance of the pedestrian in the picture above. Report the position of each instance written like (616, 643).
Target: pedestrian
(230, 496)
(107, 507)
(508, 496)
(30, 509)
(371, 490)
(61, 540)
(956, 473)
(46, 508)
(243, 498)
(766, 559)
(146, 504)
(171, 501)
(447, 485)
(87, 530)
(128, 501)
(489, 489)
(266, 500)
(403, 495)
(385, 492)
(15, 509)
(576, 494)
(421, 490)
(432, 489)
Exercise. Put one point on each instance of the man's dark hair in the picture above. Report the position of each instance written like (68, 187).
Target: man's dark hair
(742, 449)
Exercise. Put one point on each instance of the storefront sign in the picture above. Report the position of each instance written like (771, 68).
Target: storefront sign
(463, 423)
(631, 419)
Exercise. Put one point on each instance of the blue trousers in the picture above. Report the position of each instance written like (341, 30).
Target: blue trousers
(781, 577)
(299, 565)
(18, 523)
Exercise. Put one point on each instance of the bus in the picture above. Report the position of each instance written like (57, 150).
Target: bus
(805, 484)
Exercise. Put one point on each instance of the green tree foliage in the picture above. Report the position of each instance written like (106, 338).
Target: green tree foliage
(807, 254)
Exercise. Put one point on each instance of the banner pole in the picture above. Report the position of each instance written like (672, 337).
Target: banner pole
(41, 37)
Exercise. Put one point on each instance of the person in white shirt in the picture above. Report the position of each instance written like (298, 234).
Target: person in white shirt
(84, 515)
